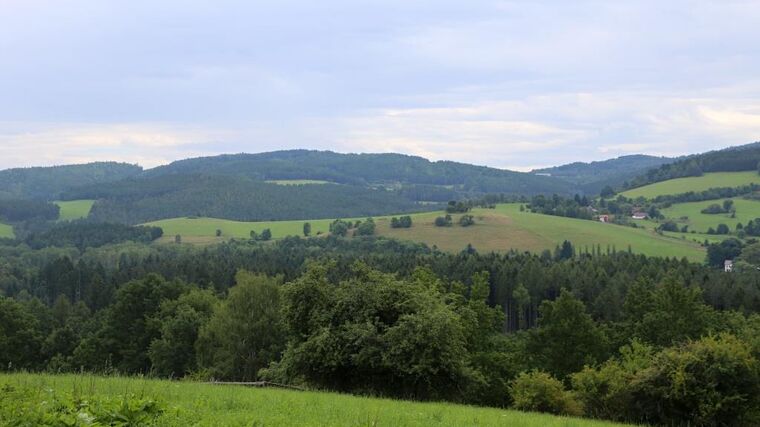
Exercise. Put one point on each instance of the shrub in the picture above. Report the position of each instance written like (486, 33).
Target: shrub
(712, 381)
(713, 209)
(442, 221)
(540, 392)
(466, 220)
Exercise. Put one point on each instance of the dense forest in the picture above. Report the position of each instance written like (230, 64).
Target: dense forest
(734, 159)
(368, 170)
(47, 183)
(609, 336)
(141, 200)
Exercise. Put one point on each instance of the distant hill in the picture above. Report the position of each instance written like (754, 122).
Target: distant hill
(143, 199)
(418, 176)
(732, 159)
(47, 183)
(592, 177)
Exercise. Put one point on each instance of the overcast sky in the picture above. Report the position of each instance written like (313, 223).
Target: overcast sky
(510, 84)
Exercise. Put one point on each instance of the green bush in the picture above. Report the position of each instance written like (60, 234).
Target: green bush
(540, 392)
(710, 382)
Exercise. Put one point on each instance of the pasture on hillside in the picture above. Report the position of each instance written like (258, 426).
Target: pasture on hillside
(499, 229)
(6, 231)
(74, 209)
(198, 404)
(691, 214)
(696, 183)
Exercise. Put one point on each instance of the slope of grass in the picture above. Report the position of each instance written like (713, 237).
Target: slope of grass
(691, 214)
(74, 209)
(697, 183)
(507, 228)
(6, 231)
(215, 405)
(499, 229)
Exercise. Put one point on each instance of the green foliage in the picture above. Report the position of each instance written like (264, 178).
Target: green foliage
(20, 338)
(23, 210)
(567, 337)
(538, 391)
(712, 381)
(402, 222)
(366, 228)
(718, 253)
(83, 234)
(25, 406)
(443, 221)
(339, 228)
(245, 333)
(306, 229)
(466, 220)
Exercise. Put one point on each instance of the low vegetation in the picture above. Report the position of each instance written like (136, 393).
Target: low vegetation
(74, 209)
(139, 401)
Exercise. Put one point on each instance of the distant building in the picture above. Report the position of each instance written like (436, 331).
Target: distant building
(604, 218)
(728, 266)
(542, 174)
(639, 215)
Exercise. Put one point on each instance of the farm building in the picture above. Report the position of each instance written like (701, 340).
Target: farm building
(604, 218)
(639, 215)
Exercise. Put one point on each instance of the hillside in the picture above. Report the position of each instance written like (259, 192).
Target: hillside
(370, 170)
(214, 405)
(47, 183)
(695, 184)
(593, 176)
(141, 200)
(499, 230)
(732, 159)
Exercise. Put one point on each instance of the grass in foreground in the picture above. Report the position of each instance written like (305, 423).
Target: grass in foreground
(6, 231)
(697, 183)
(74, 209)
(197, 404)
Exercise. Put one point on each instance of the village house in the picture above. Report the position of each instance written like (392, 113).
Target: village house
(639, 215)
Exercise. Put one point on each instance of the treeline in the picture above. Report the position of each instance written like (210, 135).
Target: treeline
(16, 210)
(734, 159)
(84, 234)
(612, 337)
(142, 200)
(577, 207)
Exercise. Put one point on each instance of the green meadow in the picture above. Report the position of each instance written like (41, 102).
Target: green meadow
(697, 183)
(6, 231)
(198, 404)
(691, 214)
(499, 229)
(74, 209)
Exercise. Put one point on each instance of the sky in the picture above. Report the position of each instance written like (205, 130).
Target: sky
(508, 84)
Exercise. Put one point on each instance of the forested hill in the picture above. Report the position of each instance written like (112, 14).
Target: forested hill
(733, 159)
(592, 177)
(371, 170)
(47, 183)
(138, 200)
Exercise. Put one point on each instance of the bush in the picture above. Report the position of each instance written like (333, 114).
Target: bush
(403, 222)
(466, 220)
(366, 228)
(709, 382)
(540, 392)
(713, 209)
(443, 221)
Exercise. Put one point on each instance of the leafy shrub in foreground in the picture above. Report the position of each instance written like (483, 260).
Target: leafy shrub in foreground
(540, 392)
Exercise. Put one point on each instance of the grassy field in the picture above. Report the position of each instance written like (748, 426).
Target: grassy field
(698, 183)
(507, 228)
(214, 405)
(498, 229)
(297, 181)
(691, 214)
(74, 209)
(6, 230)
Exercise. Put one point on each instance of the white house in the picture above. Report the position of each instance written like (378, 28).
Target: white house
(728, 266)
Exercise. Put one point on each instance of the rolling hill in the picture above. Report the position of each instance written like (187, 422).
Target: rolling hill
(47, 183)
(695, 184)
(592, 177)
(500, 229)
